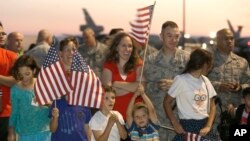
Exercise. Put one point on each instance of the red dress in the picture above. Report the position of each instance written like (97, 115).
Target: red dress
(121, 102)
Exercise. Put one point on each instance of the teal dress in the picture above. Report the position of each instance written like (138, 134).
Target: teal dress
(30, 122)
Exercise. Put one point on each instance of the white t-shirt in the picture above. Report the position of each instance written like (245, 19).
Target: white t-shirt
(192, 96)
(99, 122)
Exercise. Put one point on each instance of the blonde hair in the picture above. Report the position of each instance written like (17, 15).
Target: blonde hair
(139, 106)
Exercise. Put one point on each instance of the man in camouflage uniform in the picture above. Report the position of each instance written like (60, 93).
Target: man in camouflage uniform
(150, 50)
(160, 69)
(93, 51)
(141, 49)
(230, 72)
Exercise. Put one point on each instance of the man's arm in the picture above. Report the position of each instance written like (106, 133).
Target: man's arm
(7, 80)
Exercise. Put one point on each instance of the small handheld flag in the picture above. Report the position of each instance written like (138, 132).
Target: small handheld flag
(141, 26)
(87, 88)
(52, 82)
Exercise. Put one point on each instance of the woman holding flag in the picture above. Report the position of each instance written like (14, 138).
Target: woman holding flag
(122, 70)
(68, 122)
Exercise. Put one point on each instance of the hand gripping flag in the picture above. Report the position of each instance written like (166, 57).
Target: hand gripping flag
(52, 82)
(87, 88)
(140, 27)
(192, 137)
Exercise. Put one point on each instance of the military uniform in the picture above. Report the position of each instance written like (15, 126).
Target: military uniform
(157, 67)
(233, 69)
(150, 50)
(94, 56)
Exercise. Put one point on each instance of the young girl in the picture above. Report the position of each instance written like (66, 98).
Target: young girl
(29, 121)
(68, 122)
(106, 124)
(142, 120)
(194, 96)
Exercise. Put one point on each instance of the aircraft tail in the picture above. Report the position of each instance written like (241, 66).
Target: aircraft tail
(235, 33)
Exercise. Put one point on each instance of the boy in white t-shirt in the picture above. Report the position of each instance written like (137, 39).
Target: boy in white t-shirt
(107, 124)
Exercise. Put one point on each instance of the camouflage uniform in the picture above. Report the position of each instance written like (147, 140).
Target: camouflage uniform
(156, 68)
(236, 70)
(95, 57)
(150, 50)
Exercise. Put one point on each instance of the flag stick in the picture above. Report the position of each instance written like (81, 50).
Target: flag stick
(166, 127)
(146, 45)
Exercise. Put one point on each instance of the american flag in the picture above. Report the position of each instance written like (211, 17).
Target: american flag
(244, 117)
(87, 88)
(140, 27)
(52, 82)
(192, 137)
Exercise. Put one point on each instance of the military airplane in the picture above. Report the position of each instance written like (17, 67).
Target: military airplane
(154, 40)
(90, 23)
(242, 44)
(239, 41)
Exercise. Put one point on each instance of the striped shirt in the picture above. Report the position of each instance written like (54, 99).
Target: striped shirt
(147, 134)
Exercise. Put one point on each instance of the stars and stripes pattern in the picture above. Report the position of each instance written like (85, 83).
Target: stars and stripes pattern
(192, 137)
(140, 27)
(87, 88)
(244, 117)
(52, 82)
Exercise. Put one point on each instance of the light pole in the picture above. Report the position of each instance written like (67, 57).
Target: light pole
(184, 23)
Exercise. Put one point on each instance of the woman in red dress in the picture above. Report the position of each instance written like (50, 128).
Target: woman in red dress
(122, 70)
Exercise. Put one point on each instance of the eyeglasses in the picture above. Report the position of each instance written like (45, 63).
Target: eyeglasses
(3, 33)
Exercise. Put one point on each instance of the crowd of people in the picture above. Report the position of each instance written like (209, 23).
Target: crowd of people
(160, 97)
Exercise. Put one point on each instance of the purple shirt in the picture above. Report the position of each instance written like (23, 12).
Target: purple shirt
(71, 122)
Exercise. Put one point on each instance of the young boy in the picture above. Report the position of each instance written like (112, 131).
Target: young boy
(241, 114)
(142, 122)
(107, 124)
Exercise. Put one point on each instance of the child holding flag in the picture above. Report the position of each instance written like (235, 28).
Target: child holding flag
(142, 122)
(195, 99)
